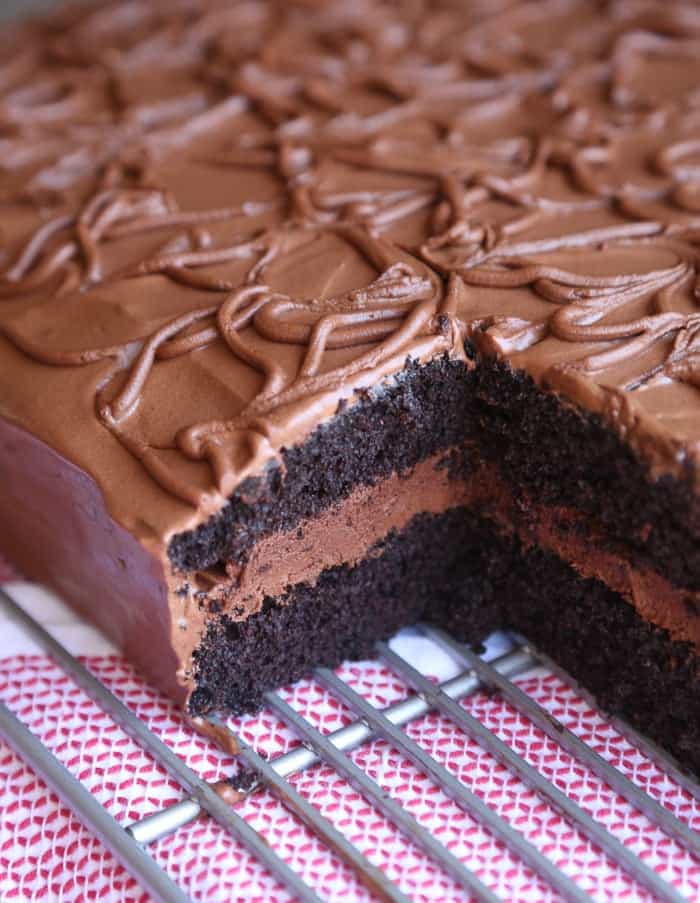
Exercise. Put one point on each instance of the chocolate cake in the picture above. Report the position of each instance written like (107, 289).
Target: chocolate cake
(321, 318)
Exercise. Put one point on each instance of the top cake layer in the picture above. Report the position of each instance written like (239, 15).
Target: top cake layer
(220, 221)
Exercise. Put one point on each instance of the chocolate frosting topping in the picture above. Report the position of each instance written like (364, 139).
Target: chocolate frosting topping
(219, 221)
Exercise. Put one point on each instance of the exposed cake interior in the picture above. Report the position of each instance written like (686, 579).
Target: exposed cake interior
(467, 476)
(455, 571)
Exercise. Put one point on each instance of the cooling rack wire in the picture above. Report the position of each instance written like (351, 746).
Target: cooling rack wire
(130, 843)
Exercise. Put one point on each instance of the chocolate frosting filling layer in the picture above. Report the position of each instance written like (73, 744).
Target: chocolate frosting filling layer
(221, 221)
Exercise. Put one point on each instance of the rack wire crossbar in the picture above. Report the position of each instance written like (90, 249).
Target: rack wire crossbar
(129, 843)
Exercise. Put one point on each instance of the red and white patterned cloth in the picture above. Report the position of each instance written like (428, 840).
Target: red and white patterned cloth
(45, 854)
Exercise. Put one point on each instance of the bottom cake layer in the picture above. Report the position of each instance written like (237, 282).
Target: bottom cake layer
(455, 570)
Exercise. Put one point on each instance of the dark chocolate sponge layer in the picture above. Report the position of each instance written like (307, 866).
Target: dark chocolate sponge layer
(453, 570)
(388, 430)
(563, 456)
(558, 454)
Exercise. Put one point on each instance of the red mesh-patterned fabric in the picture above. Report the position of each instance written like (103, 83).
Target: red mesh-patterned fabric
(45, 854)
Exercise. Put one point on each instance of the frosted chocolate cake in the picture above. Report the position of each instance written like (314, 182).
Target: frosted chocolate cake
(317, 319)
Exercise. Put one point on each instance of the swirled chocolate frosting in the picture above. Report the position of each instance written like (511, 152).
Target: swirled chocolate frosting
(220, 220)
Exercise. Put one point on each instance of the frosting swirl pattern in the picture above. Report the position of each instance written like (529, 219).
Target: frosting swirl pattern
(222, 220)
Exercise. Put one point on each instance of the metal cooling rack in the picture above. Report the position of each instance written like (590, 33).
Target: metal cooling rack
(129, 844)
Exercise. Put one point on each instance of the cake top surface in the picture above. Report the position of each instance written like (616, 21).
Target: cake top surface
(220, 220)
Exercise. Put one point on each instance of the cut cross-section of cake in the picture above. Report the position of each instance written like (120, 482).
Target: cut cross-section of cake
(314, 324)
